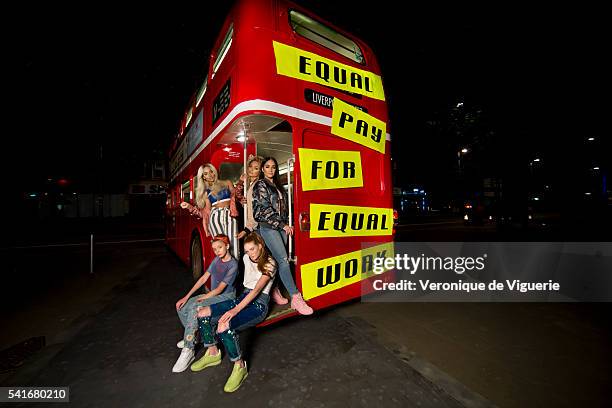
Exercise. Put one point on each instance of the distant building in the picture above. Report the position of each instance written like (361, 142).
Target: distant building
(65, 197)
(147, 194)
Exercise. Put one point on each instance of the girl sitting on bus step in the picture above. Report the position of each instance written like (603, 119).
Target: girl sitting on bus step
(250, 308)
(270, 211)
(222, 273)
(213, 201)
(244, 193)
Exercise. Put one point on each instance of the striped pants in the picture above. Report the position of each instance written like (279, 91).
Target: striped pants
(222, 223)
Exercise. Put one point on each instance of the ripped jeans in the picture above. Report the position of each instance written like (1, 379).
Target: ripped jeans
(252, 314)
(189, 314)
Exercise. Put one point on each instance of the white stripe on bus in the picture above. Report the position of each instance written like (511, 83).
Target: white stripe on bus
(259, 104)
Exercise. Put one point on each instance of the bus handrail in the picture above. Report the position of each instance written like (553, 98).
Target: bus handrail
(290, 162)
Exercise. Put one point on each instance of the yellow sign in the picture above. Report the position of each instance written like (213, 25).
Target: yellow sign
(328, 169)
(330, 274)
(350, 123)
(304, 65)
(327, 220)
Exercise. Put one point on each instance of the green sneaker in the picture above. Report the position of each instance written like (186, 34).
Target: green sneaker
(207, 361)
(236, 379)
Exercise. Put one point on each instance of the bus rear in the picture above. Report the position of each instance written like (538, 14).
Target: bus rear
(285, 83)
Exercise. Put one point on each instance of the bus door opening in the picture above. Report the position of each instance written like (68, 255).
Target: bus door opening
(270, 136)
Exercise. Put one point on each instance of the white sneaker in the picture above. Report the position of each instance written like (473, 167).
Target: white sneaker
(181, 344)
(184, 360)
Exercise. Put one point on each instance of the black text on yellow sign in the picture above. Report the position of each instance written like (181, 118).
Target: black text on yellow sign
(304, 65)
(350, 123)
(327, 220)
(330, 274)
(329, 169)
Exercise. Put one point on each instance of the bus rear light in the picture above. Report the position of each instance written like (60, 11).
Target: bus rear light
(304, 221)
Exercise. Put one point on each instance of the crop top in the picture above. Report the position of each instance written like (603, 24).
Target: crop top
(223, 195)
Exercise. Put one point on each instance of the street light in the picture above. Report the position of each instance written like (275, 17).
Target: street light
(459, 153)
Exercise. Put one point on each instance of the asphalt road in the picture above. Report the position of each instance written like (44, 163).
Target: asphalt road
(111, 337)
(120, 350)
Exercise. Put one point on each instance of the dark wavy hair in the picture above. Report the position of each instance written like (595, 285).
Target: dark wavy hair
(276, 178)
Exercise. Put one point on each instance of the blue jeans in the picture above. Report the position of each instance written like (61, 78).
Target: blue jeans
(189, 314)
(276, 241)
(252, 314)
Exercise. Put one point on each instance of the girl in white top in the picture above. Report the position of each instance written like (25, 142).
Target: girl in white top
(245, 311)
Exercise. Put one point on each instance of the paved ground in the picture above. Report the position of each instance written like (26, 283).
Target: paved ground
(122, 355)
(513, 354)
(111, 337)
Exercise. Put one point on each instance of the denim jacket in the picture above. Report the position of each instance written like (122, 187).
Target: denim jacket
(269, 207)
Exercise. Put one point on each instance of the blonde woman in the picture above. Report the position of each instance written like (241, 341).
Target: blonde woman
(213, 201)
(244, 193)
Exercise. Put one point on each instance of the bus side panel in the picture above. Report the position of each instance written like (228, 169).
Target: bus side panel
(376, 192)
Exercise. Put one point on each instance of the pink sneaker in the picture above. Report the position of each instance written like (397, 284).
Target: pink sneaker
(278, 298)
(297, 303)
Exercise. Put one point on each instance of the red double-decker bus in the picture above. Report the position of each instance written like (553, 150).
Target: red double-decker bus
(283, 82)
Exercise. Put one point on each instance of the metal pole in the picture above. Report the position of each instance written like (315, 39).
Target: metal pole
(91, 253)
(289, 201)
(246, 176)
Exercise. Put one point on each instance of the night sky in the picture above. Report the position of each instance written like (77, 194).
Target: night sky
(113, 83)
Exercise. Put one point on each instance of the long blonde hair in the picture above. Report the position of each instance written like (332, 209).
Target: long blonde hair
(250, 160)
(201, 186)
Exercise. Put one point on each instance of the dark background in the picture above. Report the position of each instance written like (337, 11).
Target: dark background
(92, 92)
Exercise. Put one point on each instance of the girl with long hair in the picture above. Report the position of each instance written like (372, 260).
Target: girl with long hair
(212, 198)
(271, 213)
(244, 193)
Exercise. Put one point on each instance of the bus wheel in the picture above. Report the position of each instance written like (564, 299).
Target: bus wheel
(196, 258)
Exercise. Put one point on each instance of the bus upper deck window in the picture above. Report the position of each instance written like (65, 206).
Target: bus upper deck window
(325, 36)
(225, 46)
(201, 92)
(189, 116)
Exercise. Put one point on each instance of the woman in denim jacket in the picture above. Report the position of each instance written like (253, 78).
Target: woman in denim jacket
(270, 212)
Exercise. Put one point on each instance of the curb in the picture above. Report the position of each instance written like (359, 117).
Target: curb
(431, 374)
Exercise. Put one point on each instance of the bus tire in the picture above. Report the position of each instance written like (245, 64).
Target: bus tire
(197, 264)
